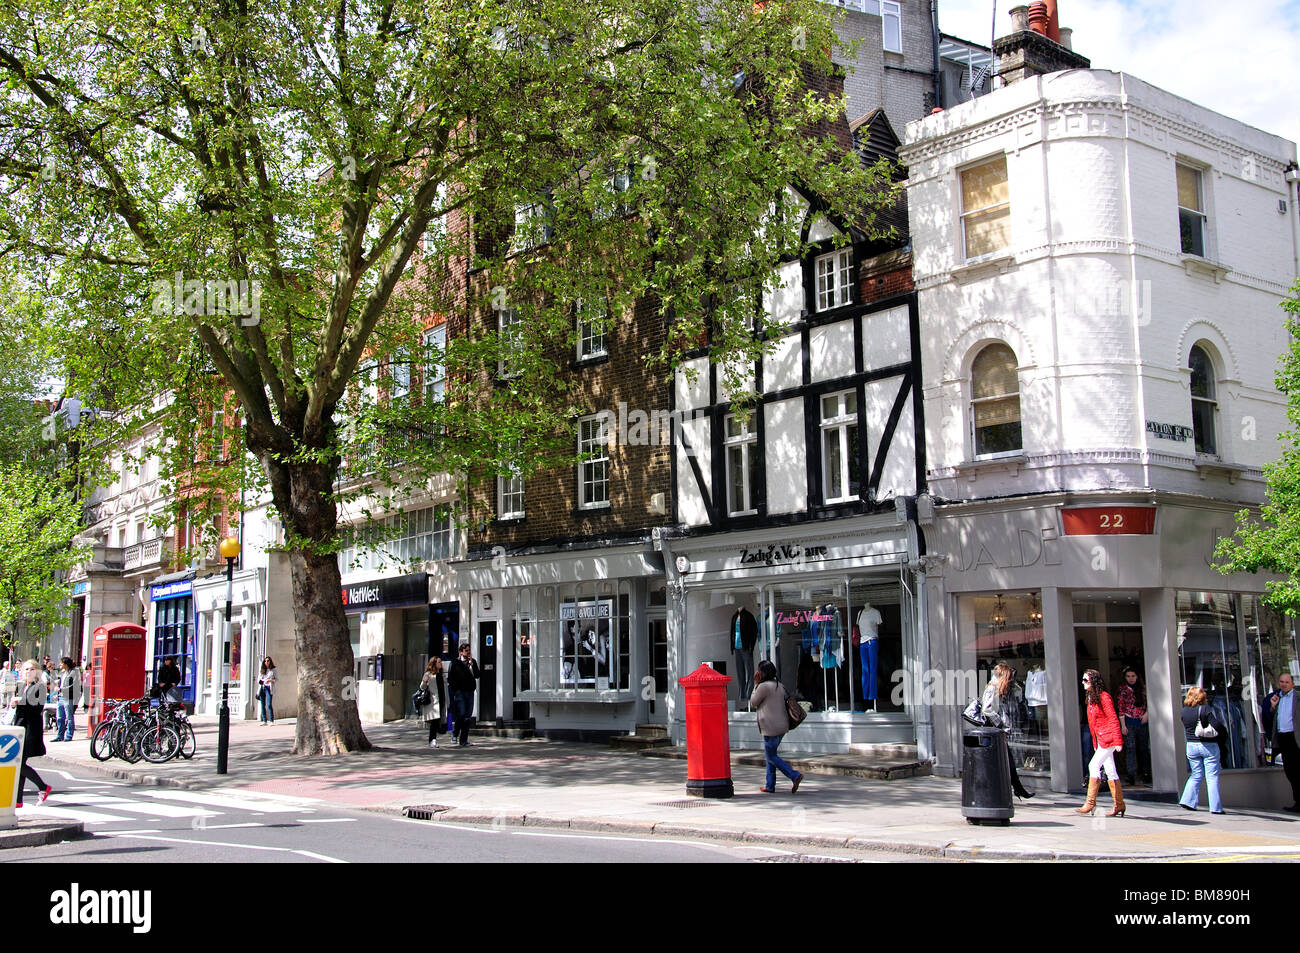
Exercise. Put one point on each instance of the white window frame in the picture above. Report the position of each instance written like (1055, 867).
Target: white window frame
(399, 376)
(592, 324)
(532, 226)
(891, 10)
(1202, 214)
(507, 321)
(1212, 402)
(966, 213)
(974, 444)
(593, 465)
(435, 371)
(837, 427)
(510, 496)
(837, 291)
(746, 441)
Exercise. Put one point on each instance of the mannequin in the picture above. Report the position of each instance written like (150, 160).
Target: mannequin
(869, 650)
(742, 634)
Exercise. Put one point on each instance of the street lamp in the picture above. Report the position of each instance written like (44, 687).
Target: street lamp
(229, 549)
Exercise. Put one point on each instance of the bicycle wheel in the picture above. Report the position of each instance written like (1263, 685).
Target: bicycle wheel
(130, 747)
(159, 743)
(188, 743)
(101, 742)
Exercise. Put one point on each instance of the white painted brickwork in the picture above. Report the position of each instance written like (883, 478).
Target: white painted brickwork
(1094, 294)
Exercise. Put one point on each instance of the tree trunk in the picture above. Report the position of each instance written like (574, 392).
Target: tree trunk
(328, 720)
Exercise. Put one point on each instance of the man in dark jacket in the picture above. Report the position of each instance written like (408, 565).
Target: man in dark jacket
(463, 680)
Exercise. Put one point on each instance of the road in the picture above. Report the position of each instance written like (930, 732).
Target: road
(128, 823)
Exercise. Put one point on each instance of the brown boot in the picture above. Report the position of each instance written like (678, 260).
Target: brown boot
(1094, 785)
(1117, 793)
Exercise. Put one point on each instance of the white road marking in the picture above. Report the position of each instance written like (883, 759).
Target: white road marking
(212, 843)
(70, 814)
(137, 807)
(612, 835)
(326, 820)
(219, 800)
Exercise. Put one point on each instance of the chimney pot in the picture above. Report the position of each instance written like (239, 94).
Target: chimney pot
(1038, 17)
(1067, 37)
(1053, 22)
(1019, 19)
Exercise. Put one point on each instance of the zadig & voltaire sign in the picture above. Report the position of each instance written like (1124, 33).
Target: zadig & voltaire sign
(777, 555)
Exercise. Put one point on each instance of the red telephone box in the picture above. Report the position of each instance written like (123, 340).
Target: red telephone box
(118, 655)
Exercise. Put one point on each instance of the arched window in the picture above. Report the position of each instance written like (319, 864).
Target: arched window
(1205, 401)
(995, 401)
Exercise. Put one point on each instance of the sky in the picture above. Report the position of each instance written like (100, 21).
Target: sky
(1237, 58)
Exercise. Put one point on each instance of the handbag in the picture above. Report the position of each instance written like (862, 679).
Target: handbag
(421, 697)
(974, 713)
(1204, 727)
(794, 710)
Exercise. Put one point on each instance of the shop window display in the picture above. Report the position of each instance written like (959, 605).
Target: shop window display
(838, 645)
(1108, 638)
(573, 638)
(1237, 666)
(1008, 627)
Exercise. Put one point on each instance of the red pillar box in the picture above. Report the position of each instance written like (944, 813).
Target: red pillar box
(118, 653)
(708, 743)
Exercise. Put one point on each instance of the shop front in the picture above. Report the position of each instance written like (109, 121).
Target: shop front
(389, 623)
(171, 600)
(569, 639)
(1123, 585)
(831, 606)
(237, 670)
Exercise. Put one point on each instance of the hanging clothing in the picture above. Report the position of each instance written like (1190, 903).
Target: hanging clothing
(869, 623)
(1036, 688)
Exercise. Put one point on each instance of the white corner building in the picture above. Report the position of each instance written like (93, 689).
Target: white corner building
(1099, 266)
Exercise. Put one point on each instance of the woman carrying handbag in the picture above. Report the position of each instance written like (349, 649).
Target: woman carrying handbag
(769, 700)
(29, 713)
(431, 685)
(1202, 732)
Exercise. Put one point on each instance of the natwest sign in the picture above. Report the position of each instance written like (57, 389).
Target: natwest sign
(400, 591)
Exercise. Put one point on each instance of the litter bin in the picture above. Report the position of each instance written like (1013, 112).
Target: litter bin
(986, 777)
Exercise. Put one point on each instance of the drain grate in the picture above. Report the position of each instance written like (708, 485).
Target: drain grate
(425, 812)
(682, 805)
(804, 859)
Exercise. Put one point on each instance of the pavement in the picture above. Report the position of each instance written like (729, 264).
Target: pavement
(539, 783)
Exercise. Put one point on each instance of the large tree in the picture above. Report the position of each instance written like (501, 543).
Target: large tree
(1270, 539)
(350, 160)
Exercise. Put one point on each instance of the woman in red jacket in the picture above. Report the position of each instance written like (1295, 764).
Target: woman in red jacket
(1107, 738)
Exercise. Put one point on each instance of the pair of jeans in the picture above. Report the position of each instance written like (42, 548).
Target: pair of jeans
(869, 653)
(66, 720)
(1137, 748)
(1203, 759)
(1103, 758)
(268, 708)
(775, 761)
(462, 706)
(744, 673)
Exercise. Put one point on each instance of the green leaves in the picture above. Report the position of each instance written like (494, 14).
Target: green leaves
(1271, 542)
(38, 519)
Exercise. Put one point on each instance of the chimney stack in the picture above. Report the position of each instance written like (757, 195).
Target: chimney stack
(1036, 45)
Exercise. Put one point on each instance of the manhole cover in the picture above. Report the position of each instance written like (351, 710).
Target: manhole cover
(425, 812)
(691, 802)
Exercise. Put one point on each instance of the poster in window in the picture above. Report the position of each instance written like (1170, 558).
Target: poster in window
(585, 644)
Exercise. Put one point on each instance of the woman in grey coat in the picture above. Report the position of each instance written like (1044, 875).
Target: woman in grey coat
(768, 700)
(1001, 702)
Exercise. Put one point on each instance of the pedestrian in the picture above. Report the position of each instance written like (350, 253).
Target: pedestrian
(1133, 725)
(1107, 738)
(434, 712)
(169, 680)
(48, 677)
(8, 683)
(464, 680)
(1002, 701)
(87, 683)
(266, 689)
(69, 696)
(769, 700)
(1203, 754)
(29, 713)
(1284, 741)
